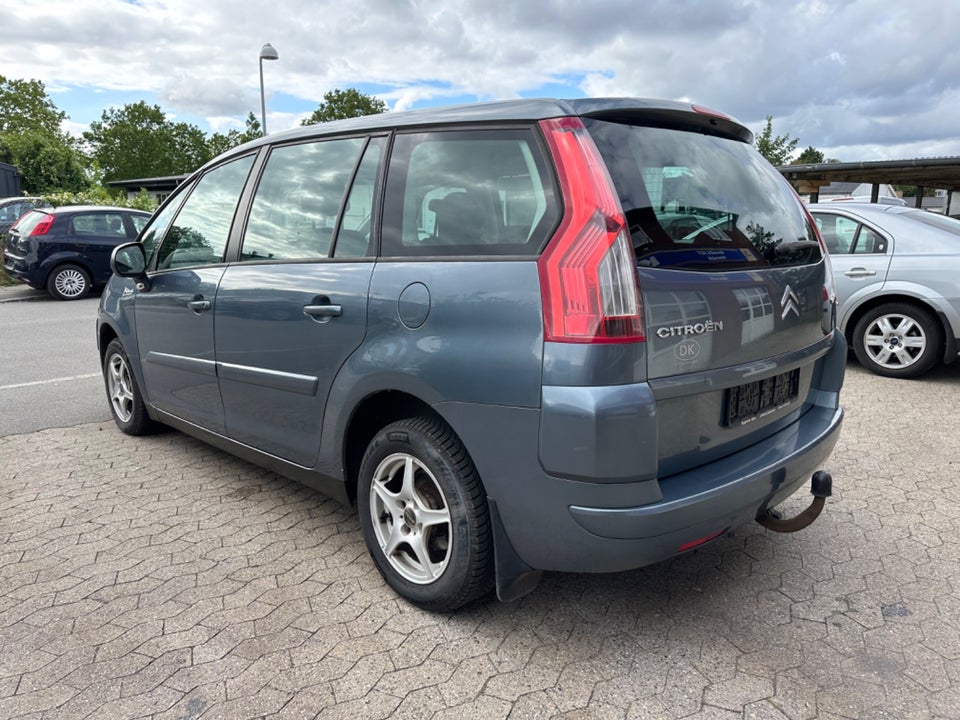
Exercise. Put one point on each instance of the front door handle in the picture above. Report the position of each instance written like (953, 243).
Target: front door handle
(859, 272)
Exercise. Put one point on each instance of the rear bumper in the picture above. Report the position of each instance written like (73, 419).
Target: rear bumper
(579, 522)
(741, 486)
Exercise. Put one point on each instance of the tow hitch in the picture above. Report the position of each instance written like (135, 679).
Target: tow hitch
(820, 487)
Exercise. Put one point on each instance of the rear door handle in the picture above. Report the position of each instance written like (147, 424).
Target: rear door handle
(859, 272)
(323, 313)
(198, 304)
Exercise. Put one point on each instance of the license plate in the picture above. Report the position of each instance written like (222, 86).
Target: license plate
(749, 402)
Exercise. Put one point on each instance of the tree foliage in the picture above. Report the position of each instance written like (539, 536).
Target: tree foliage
(31, 139)
(810, 156)
(776, 149)
(25, 106)
(138, 141)
(341, 104)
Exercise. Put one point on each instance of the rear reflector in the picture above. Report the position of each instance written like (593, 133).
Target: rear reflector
(702, 541)
(588, 273)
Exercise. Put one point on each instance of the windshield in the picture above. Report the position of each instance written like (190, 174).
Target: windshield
(702, 202)
(942, 222)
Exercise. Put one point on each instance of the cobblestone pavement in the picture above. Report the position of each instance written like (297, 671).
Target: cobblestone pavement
(158, 577)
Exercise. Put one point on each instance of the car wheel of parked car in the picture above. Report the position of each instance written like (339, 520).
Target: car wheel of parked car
(424, 515)
(68, 282)
(898, 340)
(126, 404)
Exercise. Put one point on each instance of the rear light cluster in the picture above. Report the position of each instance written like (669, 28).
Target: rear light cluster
(42, 227)
(588, 272)
(829, 287)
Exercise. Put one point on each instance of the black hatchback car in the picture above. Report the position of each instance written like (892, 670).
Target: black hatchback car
(67, 250)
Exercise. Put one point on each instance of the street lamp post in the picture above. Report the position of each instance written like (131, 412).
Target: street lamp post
(267, 52)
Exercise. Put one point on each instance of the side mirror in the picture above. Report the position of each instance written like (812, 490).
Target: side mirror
(130, 261)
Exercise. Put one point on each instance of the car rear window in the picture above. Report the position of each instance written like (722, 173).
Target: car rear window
(695, 201)
(947, 224)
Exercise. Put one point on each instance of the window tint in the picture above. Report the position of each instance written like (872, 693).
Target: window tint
(353, 238)
(703, 202)
(199, 234)
(100, 224)
(298, 200)
(484, 192)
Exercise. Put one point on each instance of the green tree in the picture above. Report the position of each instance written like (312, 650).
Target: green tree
(810, 156)
(32, 140)
(776, 149)
(340, 104)
(138, 141)
(25, 106)
(47, 163)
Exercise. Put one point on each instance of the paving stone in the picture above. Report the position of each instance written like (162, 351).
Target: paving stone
(159, 577)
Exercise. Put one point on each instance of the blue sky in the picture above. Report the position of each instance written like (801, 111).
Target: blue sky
(860, 80)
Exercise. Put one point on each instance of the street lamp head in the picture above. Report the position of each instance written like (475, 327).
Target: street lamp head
(268, 52)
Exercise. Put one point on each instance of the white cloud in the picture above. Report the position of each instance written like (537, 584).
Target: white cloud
(848, 76)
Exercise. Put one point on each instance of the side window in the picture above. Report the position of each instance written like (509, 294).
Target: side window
(838, 232)
(298, 200)
(353, 238)
(869, 242)
(139, 222)
(157, 226)
(479, 192)
(99, 224)
(198, 235)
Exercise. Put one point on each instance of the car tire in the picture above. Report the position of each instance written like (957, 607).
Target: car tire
(424, 515)
(898, 340)
(68, 282)
(123, 393)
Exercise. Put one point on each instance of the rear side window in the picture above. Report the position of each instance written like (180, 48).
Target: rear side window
(99, 224)
(695, 201)
(477, 192)
(298, 200)
(198, 235)
(843, 236)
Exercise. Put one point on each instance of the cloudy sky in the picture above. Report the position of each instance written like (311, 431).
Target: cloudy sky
(858, 79)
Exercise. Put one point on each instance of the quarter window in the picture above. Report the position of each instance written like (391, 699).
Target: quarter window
(846, 236)
(199, 234)
(483, 192)
(298, 200)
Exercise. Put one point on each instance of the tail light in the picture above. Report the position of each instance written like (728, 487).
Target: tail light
(42, 227)
(588, 272)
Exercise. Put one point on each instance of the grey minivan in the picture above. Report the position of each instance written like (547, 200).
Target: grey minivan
(565, 335)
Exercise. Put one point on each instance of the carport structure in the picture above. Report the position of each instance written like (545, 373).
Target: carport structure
(940, 173)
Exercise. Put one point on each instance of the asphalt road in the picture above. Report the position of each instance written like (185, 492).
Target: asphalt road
(49, 368)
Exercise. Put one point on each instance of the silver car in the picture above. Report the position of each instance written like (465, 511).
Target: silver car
(897, 274)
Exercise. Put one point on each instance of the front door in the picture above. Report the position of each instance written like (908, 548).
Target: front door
(175, 312)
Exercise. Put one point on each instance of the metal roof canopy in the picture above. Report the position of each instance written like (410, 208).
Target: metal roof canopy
(942, 173)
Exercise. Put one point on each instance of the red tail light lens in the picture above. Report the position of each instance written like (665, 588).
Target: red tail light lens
(588, 273)
(42, 227)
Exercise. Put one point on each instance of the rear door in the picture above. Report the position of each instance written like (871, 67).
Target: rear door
(94, 235)
(294, 306)
(859, 254)
(732, 280)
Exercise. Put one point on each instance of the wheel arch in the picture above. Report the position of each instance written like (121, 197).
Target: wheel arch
(877, 300)
(372, 413)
